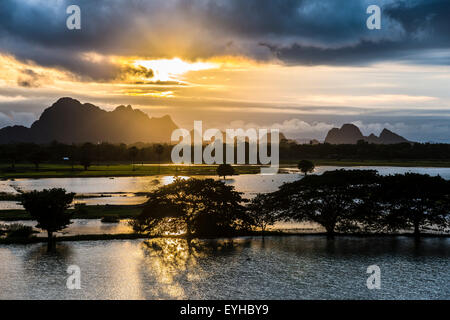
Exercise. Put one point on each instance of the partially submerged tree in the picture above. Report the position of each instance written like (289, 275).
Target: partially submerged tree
(198, 207)
(306, 166)
(48, 208)
(224, 170)
(332, 199)
(413, 201)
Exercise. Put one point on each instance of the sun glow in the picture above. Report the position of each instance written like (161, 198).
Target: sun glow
(172, 69)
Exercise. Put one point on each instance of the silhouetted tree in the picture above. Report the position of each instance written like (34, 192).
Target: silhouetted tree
(200, 207)
(87, 155)
(37, 157)
(72, 154)
(133, 152)
(413, 201)
(306, 166)
(262, 211)
(332, 199)
(85, 161)
(48, 208)
(12, 154)
(224, 170)
(159, 149)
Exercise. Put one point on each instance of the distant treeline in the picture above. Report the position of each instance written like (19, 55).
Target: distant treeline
(90, 153)
(85, 154)
(365, 151)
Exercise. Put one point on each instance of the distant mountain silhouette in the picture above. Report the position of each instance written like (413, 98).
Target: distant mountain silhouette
(70, 121)
(350, 134)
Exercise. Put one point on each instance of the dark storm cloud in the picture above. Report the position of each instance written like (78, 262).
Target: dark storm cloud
(431, 16)
(139, 71)
(296, 31)
(411, 30)
(362, 52)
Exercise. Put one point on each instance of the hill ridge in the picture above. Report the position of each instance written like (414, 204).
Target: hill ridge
(351, 134)
(70, 121)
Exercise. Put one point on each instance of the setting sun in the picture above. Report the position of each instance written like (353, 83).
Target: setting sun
(172, 69)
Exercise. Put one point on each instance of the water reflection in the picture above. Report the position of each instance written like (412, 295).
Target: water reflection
(307, 267)
(173, 266)
(37, 268)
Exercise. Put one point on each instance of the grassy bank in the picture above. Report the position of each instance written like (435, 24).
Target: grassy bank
(88, 212)
(127, 170)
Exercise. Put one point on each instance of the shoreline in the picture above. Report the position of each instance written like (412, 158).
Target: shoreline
(134, 236)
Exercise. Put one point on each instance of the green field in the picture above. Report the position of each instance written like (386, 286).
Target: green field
(127, 170)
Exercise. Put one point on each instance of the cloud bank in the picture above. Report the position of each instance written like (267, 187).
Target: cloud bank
(306, 32)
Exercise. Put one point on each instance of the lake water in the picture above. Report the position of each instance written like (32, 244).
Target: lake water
(309, 267)
(121, 190)
(295, 267)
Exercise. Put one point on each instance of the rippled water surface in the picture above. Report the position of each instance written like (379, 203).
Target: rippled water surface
(309, 267)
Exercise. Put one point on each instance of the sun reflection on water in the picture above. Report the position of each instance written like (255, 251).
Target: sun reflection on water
(176, 264)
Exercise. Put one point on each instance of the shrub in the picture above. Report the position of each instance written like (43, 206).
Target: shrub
(224, 170)
(81, 208)
(18, 230)
(110, 219)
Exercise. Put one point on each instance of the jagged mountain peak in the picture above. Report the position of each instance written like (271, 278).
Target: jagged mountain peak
(70, 121)
(351, 134)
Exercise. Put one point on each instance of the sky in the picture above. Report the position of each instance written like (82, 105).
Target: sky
(302, 66)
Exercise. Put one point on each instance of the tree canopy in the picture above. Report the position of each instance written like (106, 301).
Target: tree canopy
(413, 201)
(198, 207)
(332, 199)
(306, 166)
(261, 211)
(48, 208)
(362, 201)
(224, 170)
